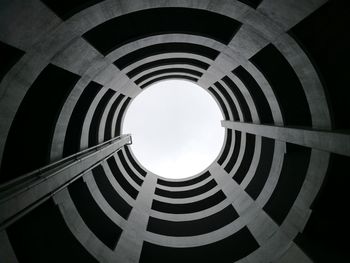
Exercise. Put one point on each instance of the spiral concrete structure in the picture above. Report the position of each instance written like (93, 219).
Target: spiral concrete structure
(276, 192)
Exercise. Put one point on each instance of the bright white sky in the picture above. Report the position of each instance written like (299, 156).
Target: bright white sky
(175, 127)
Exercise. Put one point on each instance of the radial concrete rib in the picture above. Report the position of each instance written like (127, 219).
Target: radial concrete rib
(329, 141)
(131, 241)
(266, 232)
(80, 230)
(293, 254)
(6, 251)
(21, 195)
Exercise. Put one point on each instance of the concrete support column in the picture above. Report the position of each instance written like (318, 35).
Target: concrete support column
(131, 240)
(21, 195)
(328, 141)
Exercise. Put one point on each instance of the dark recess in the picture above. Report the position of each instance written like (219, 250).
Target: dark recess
(262, 172)
(168, 70)
(76, 120)
(122, 181)
(94, 217)
(128, 170)
(290, 181)
(9, 57)
(121, 30)
(167, 62)
(120, 116)
(187, 193)
(260, 101)
(193, 181)
(285, 84)
(110, 194)
(251, 3)
(193, 227)
(97, 116)
(227, 250)
(111, 114)
(173, 47)
(67, 8)
(134, 163)
(247, 159)
(227, 147)
(234, 155)
(247, 116)
(325, 234)
(168, 77)
(34, 123)
(44, 227)
(324, 37)
(229, 100)
(186, 208)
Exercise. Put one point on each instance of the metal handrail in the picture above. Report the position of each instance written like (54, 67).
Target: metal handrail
(40, 172)
(14, 202)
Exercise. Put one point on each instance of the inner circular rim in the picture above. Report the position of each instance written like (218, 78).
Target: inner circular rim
(162, 85)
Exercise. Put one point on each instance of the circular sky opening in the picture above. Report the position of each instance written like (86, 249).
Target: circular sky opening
(175, 127)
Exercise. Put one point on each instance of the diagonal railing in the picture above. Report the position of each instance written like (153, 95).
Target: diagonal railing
(21, 195)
